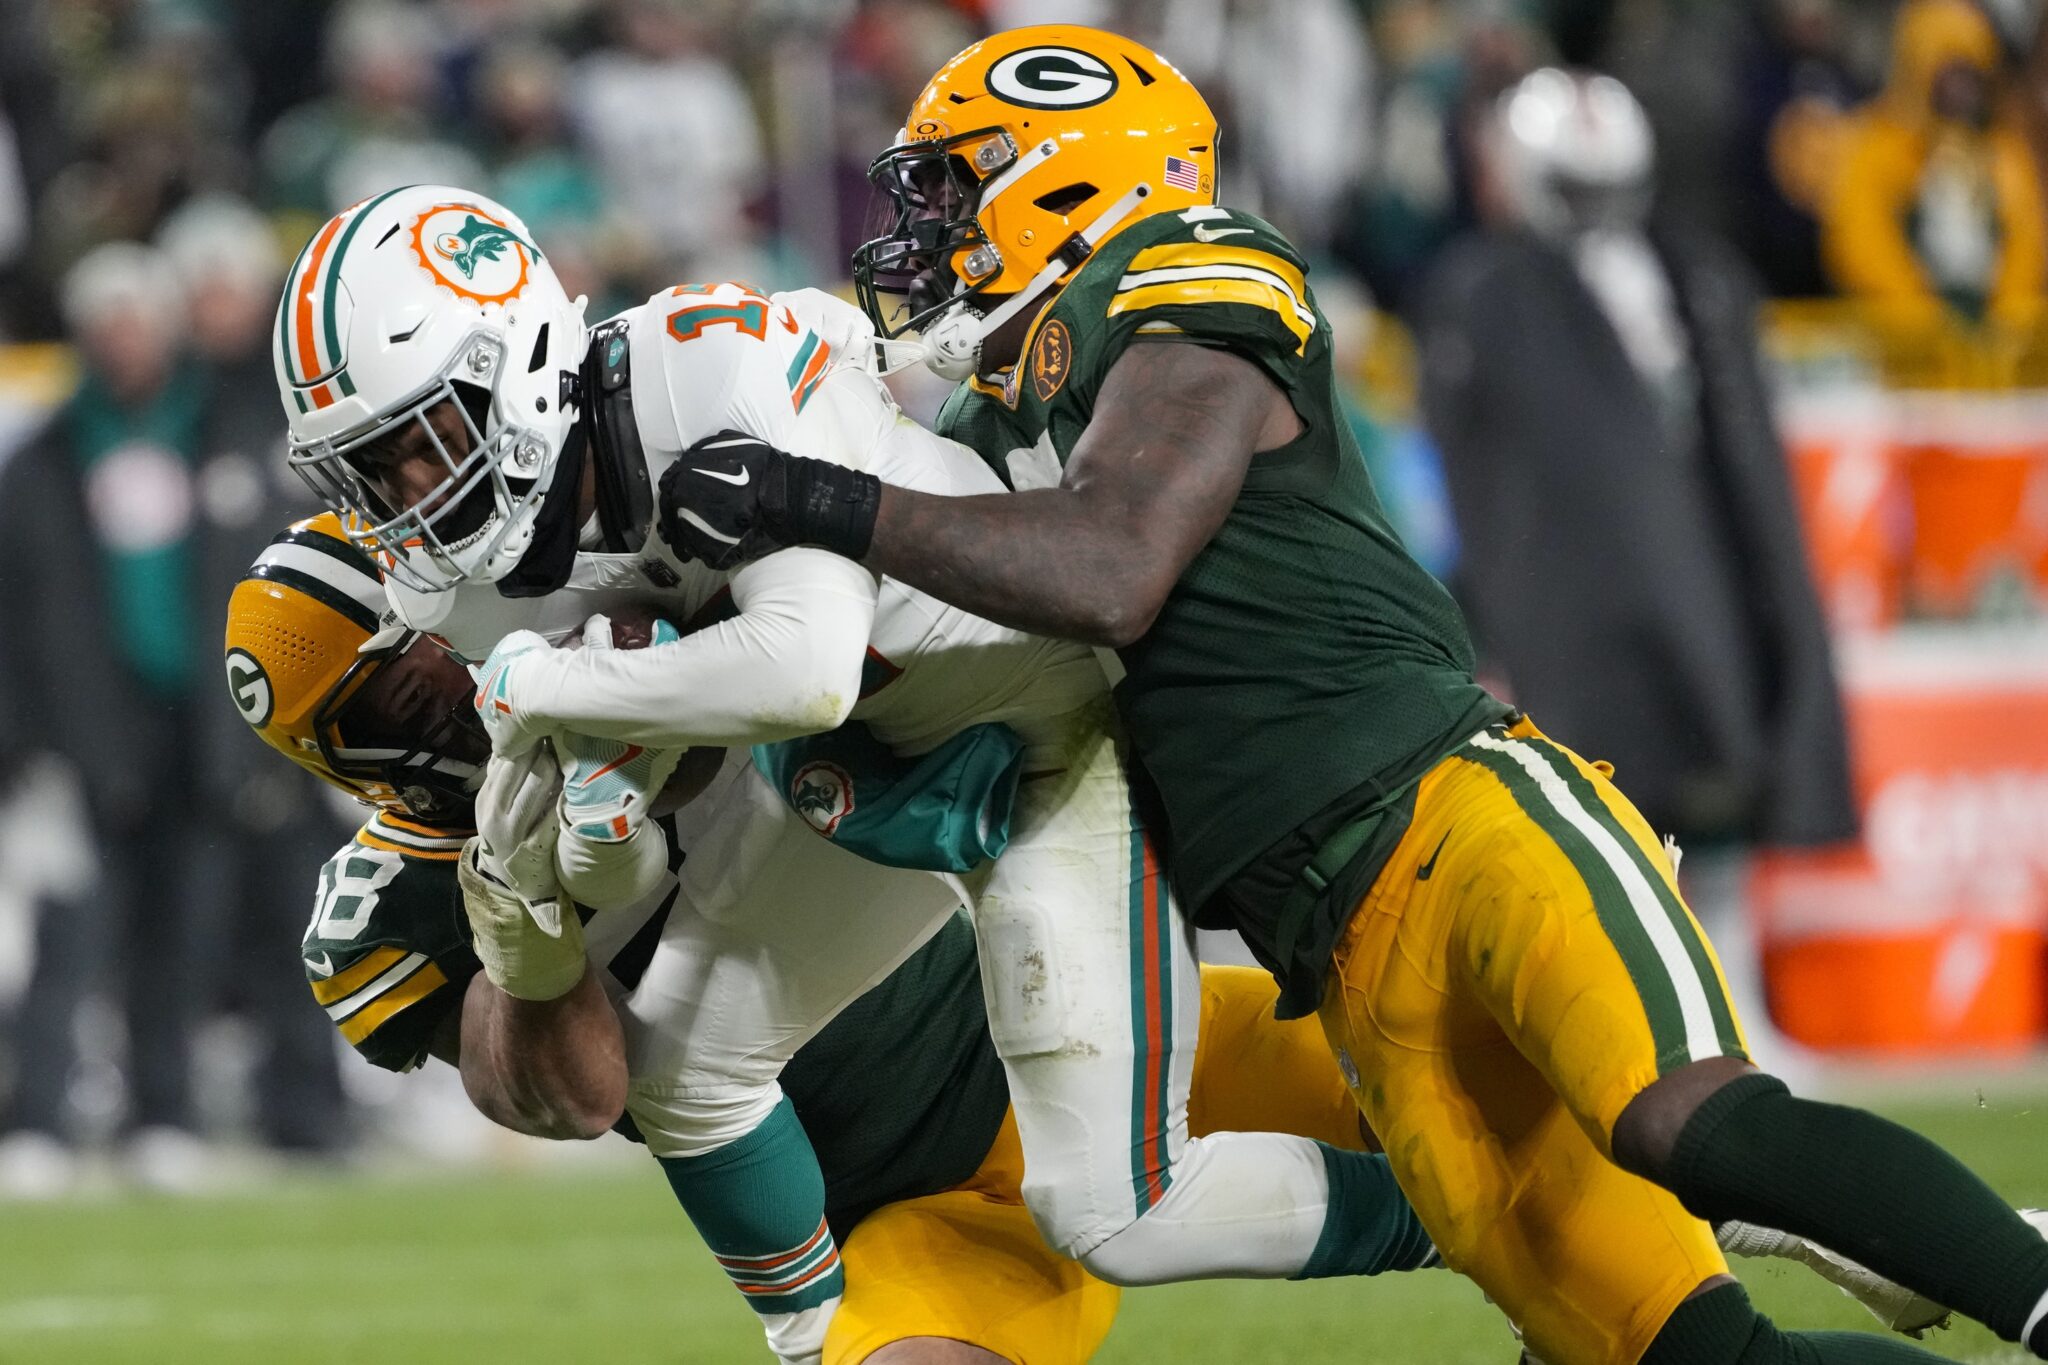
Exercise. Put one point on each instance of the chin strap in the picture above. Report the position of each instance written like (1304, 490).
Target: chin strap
(952, 345)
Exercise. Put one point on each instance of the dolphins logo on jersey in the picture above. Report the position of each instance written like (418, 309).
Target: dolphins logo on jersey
(823, 794)
(472, 254)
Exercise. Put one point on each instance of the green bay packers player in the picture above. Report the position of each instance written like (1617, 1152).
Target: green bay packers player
(1495, 941)
(921, 1161)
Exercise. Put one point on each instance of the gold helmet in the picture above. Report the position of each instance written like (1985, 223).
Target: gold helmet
(305, 638)
(1021, 157)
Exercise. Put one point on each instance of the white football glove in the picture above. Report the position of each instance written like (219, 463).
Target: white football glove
(608, 784)
(512, 732)
(525, 931)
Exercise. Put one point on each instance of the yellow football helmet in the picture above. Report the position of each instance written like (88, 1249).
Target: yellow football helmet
(1023, 155)
(305, 637)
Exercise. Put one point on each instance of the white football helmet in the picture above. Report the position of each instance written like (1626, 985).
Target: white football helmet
(415, 297)
(1574, 152)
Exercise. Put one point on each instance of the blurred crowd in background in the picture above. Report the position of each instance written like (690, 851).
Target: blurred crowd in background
(161, 160)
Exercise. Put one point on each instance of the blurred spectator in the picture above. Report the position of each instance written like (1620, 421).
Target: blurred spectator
(1444, 67)
(674, 137)
(537, 171)
(106, 651)
(382, 125)
(1630, 554)
(273, 827)
(1937, 206)
(1797, 93)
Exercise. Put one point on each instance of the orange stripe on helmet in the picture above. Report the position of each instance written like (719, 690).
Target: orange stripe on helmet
(302, 307)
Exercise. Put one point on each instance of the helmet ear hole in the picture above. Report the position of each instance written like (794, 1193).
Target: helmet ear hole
(1066, 199)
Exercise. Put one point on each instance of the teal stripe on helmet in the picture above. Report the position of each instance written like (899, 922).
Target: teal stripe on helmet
(331, 320)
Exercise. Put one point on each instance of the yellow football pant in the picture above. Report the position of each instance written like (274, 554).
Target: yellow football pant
(968, 1263)
(1520, 970)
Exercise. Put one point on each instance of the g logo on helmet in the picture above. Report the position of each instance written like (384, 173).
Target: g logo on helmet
(1052, 78)
(250, 687)
(471, 254)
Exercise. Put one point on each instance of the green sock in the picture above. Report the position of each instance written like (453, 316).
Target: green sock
(1720, 1327)
(1867, 1189)
(1371, 1228)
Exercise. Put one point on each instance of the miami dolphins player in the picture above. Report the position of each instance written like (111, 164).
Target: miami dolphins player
(1495, 941)
(921, 1167)
(441, 393)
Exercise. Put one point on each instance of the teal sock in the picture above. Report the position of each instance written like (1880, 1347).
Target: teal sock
(759, 1204)
(1865, 1188)
(1370, 1227)
(1720, 1327)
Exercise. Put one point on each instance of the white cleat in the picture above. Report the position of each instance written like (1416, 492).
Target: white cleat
(1894, 1305)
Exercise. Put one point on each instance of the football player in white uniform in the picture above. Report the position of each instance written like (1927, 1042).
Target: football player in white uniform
(444, 395)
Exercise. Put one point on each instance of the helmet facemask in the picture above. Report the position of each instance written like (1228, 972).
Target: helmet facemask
(929, 250)
(478, 520)
(426, 764)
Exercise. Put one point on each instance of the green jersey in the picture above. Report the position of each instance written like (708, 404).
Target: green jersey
(1305, 670)
(901, 1095)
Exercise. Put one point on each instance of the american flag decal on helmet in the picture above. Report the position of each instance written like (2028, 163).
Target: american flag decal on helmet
(1183, 174)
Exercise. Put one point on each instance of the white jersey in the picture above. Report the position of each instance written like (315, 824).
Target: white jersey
(809, 639)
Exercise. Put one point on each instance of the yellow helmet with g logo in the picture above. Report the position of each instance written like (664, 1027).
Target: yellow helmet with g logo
(1023, 155)
(305, 638)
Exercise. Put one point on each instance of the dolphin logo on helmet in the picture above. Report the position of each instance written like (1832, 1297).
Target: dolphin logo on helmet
(429, 306)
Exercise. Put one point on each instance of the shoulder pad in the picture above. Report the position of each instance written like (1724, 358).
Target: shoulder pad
(1209, 272)
(730, 358)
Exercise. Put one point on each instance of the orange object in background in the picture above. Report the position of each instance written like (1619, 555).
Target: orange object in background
(1845, 477)
(1969, 520)
(1931, 935)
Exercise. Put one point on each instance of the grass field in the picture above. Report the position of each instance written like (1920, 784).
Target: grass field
(587, 1266)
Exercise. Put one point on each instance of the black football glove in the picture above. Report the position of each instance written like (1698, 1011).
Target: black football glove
(732, 498)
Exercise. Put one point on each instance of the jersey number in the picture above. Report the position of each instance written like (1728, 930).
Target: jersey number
(750, 317)
(348, 893)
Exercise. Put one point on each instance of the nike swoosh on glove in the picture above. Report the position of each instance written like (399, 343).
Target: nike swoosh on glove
(721, 497)
(732, 498)
(608, 784)
(512, 730)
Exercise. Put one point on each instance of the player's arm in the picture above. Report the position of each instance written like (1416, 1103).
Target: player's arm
(1174, 430)
(1148, 484)
(787, 663)
(547, 1068)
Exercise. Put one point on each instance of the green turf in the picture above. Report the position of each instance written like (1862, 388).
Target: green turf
(561, 1269)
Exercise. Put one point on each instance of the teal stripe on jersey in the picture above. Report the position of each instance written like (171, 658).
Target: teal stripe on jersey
(803, 358)
(1161, 922)
(1151, 1066)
